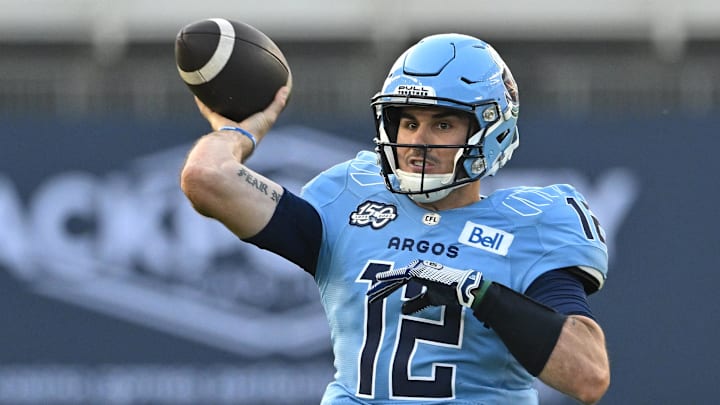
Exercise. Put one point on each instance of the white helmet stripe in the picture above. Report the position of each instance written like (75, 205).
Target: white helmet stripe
(219, 59)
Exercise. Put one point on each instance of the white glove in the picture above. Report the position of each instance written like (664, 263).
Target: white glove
(445, 285)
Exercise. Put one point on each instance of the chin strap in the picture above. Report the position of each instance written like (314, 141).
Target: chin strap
(417, 181)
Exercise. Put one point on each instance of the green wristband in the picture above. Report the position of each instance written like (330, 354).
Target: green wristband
(479, 293)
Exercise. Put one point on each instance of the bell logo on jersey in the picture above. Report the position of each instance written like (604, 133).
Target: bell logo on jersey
(486, 238)
(374, 214)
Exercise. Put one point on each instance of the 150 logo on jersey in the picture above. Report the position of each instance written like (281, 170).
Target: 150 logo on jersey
(486, 238)
(374, 214)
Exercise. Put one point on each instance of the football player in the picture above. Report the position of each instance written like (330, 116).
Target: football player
(433, 291)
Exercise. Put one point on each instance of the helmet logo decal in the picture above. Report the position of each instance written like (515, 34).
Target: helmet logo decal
(415, 91)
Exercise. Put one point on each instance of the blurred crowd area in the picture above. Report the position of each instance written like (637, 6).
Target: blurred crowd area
(99, 57)
(336, 78)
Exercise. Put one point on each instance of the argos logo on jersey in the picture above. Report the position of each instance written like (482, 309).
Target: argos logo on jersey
(486, 238)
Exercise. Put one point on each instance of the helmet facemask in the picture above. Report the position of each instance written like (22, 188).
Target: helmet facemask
(424, 187)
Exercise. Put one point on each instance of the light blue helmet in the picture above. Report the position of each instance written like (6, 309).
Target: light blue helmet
(458, 72)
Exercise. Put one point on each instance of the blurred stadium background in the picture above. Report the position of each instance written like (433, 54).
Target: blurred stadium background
(113, 291)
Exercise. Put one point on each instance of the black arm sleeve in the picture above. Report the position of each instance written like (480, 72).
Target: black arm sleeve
(529, 324)
(528, 328)
(294, 232)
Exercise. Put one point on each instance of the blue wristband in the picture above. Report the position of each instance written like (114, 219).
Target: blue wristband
(250, 136)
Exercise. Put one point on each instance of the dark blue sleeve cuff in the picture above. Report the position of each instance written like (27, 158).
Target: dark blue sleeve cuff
(561, 290)
(294, 232)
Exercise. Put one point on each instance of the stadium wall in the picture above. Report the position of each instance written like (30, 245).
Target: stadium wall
(115, 291)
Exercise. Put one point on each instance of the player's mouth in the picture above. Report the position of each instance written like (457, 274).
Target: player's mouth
(416, 164)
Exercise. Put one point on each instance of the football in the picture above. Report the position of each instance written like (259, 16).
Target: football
(232, 67)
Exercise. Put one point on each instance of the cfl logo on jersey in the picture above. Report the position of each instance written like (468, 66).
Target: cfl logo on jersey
(486, 238)
(374, 214)
(415, 91)
(431, 219)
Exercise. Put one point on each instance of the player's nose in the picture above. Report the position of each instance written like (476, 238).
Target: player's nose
(422, 135)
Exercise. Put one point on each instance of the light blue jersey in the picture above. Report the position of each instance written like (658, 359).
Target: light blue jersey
(439, 354)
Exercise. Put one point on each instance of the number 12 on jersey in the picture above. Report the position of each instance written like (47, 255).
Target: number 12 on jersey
(403, 385)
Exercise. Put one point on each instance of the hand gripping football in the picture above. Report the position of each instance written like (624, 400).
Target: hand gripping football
(232, 67)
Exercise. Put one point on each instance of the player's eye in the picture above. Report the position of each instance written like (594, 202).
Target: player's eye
(409, 124)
